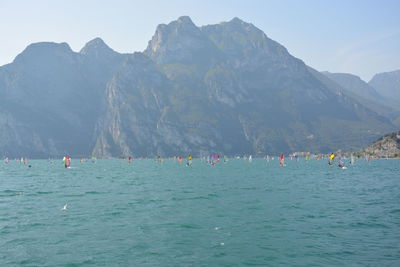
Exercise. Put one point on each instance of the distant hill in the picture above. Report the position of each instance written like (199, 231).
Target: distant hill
(388, 85)
(223, 88)
(353, 86)
(387, 146)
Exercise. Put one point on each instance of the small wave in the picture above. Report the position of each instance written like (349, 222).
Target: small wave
(368, 225)
(254, 207)
(177, 198)
(209, 196)
(218, 255)
(21, 240)
(81, 263)
(155, 200)
(293, 206)
(7, 229)
(36, 225)
(190, 226)
(395, 211)
(44, 192)
(73, 195)
(26, 262)
(94, 193)
(115, 213)
(198, 197)
(9, 193)
(249, 188)
(121, 208)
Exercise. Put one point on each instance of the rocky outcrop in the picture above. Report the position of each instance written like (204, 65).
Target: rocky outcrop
(387, 146)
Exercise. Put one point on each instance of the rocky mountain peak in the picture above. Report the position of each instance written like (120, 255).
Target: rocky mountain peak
(392, 74)
(237, 23)
(244, 41)
(43, 50)
(237, 20)
(96, 47)
(185, 20)
(47, 45)
(166, 33)
(179, 41)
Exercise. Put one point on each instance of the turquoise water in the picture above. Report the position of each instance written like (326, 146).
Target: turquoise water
(233, 214)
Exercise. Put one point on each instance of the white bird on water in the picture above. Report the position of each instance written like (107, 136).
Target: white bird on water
(65, 207)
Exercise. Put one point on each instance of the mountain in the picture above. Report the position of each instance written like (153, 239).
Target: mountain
(386, 146)
(226, 88)
(51, 100)
(46, 102)
(353, 86)
(235, 90)
(181, 42)
(388, 85)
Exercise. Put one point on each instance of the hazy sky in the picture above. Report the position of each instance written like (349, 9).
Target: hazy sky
(356, 36)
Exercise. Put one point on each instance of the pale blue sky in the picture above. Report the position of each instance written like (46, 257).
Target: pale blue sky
(356, 36)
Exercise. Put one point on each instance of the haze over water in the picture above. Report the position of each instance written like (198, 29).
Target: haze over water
(166, 214)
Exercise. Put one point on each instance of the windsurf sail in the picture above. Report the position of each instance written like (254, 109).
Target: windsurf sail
(67, 161)
(189, 160)
(282, 160)
(352, 159)
(331, 158)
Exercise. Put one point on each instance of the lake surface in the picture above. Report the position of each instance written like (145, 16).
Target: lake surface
(237, 213)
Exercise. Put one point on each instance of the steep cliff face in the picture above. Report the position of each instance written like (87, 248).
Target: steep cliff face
(147, 114)
(225, 87)
(136, 105)
(181, 42)
(386, 146)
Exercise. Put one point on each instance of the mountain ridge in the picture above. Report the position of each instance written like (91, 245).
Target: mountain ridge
(193, 90)
(388, 85)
